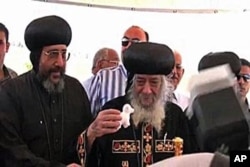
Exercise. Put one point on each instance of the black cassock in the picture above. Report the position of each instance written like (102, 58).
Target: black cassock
(142, 145)
(38, 128)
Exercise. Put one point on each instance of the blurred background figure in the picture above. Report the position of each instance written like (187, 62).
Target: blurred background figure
(243, 79)
(110, 83)
(217, 113)
(104, 58)
(5, 73)
(178, 71)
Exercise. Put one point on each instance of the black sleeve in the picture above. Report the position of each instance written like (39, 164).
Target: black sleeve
(93, 156)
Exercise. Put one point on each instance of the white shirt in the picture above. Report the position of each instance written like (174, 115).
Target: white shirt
(181, 100)
(86, 84)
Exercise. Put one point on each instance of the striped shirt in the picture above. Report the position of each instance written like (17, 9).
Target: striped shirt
(107, 84)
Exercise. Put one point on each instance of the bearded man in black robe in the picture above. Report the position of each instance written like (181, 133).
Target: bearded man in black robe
(44, 113)
(155, 122)
(40, 118)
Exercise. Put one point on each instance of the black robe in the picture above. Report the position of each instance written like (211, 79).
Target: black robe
(39, 128)
(131, 146)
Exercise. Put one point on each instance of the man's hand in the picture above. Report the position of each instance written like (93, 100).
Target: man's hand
(106, 122)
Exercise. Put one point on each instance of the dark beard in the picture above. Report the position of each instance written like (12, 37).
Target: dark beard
(48, 85)
(53, 88)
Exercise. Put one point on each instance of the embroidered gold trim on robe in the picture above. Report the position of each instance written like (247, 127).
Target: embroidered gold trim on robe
(125, 146)
(147, 142)
(81, 149)
(166, 146)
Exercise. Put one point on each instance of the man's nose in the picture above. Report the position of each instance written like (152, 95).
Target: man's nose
(147, 88)
(174, 70)
(60, 60)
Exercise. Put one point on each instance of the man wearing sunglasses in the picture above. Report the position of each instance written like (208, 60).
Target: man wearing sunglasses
(111, 83)
(243, 79)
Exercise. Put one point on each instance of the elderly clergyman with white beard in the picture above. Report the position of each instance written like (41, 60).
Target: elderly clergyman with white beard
(154, 123)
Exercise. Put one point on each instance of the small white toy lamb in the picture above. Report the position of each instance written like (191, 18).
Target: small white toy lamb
(125, 114)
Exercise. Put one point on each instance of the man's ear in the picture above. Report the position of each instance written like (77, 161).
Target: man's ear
(7, 46)
(99, 64)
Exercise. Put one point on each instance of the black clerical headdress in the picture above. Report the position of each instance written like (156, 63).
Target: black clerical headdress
(148, 58)
(45, 31)
(213, 59)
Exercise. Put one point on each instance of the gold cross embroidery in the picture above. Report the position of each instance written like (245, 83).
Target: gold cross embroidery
(147, 137)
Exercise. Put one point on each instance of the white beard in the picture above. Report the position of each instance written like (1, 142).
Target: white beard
(153, 116)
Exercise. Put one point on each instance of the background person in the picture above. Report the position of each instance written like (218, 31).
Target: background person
(216, 114)
(243, 79)
(178, 72)
(104, 58)
(5, 72)
(111, 83)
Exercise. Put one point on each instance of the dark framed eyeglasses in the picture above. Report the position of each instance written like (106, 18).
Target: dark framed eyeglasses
(126, 40)
(246, 77)
(53, 54)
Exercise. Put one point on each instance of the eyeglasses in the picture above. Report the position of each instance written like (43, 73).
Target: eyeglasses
(126, 40)
(246, 77)
(53, 54)
(170, 75)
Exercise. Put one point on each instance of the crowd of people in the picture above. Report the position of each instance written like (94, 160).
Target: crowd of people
(48, 118)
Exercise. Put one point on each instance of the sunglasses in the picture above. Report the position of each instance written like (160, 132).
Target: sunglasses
(246, 77)
(126, 40)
